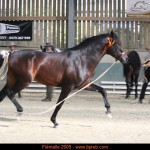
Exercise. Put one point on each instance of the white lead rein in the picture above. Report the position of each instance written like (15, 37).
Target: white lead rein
(4, 67)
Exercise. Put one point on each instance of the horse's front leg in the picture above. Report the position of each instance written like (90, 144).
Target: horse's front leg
(101, 90)
(128, 89)
(11, 96)
(64, 93)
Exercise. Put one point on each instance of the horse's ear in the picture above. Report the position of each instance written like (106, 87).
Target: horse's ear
(112, 34)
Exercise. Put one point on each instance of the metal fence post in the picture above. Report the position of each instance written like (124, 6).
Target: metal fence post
(71, 24)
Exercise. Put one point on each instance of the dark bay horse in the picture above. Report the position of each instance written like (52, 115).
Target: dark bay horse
(131, 72)
(70, 69)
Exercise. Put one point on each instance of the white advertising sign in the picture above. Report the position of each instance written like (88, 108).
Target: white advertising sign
(8, 28)
(138, 7)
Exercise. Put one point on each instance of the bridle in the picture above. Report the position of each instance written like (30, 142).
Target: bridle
(119, 57)
(110, 43)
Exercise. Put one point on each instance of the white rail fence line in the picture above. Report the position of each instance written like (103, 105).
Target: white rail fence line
(112, 87)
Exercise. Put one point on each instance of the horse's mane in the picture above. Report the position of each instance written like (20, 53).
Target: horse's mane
(88, 41)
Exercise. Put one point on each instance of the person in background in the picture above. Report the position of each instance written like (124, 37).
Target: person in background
(49, 48)
(146, 76)
(12, 48)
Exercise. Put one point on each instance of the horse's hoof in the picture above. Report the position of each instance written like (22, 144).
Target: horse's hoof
(54, 122)
(109, 115)
(19, 115)
(18, 118)
(55, 125)
(20, 110)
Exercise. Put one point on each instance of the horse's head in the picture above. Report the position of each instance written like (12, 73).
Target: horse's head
(113, 48)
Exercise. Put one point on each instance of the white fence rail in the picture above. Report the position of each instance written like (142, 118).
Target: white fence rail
(112, 87)
(120, 87)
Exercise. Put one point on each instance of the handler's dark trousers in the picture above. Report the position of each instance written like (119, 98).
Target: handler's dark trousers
(49, 93)
(145, 84)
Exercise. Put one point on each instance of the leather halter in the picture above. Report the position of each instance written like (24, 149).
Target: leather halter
(110, 42)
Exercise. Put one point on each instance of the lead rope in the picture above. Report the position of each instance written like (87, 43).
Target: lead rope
(3, 71)
(48, 110)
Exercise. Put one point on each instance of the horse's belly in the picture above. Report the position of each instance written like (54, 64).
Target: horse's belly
(48, 80)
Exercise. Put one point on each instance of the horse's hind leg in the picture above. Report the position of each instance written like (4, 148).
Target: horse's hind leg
(64, 93)
(128, 84)
(3, 93)
(136, 85)
(11, 96)
(19, 85)
(19, 94)
(101, 90)
(132, 81)
(128, 89)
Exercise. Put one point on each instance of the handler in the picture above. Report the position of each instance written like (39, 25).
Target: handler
(12, 47)
(49, 48)
(146, 75)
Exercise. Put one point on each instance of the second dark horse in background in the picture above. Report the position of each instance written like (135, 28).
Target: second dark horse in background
(131, 72)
